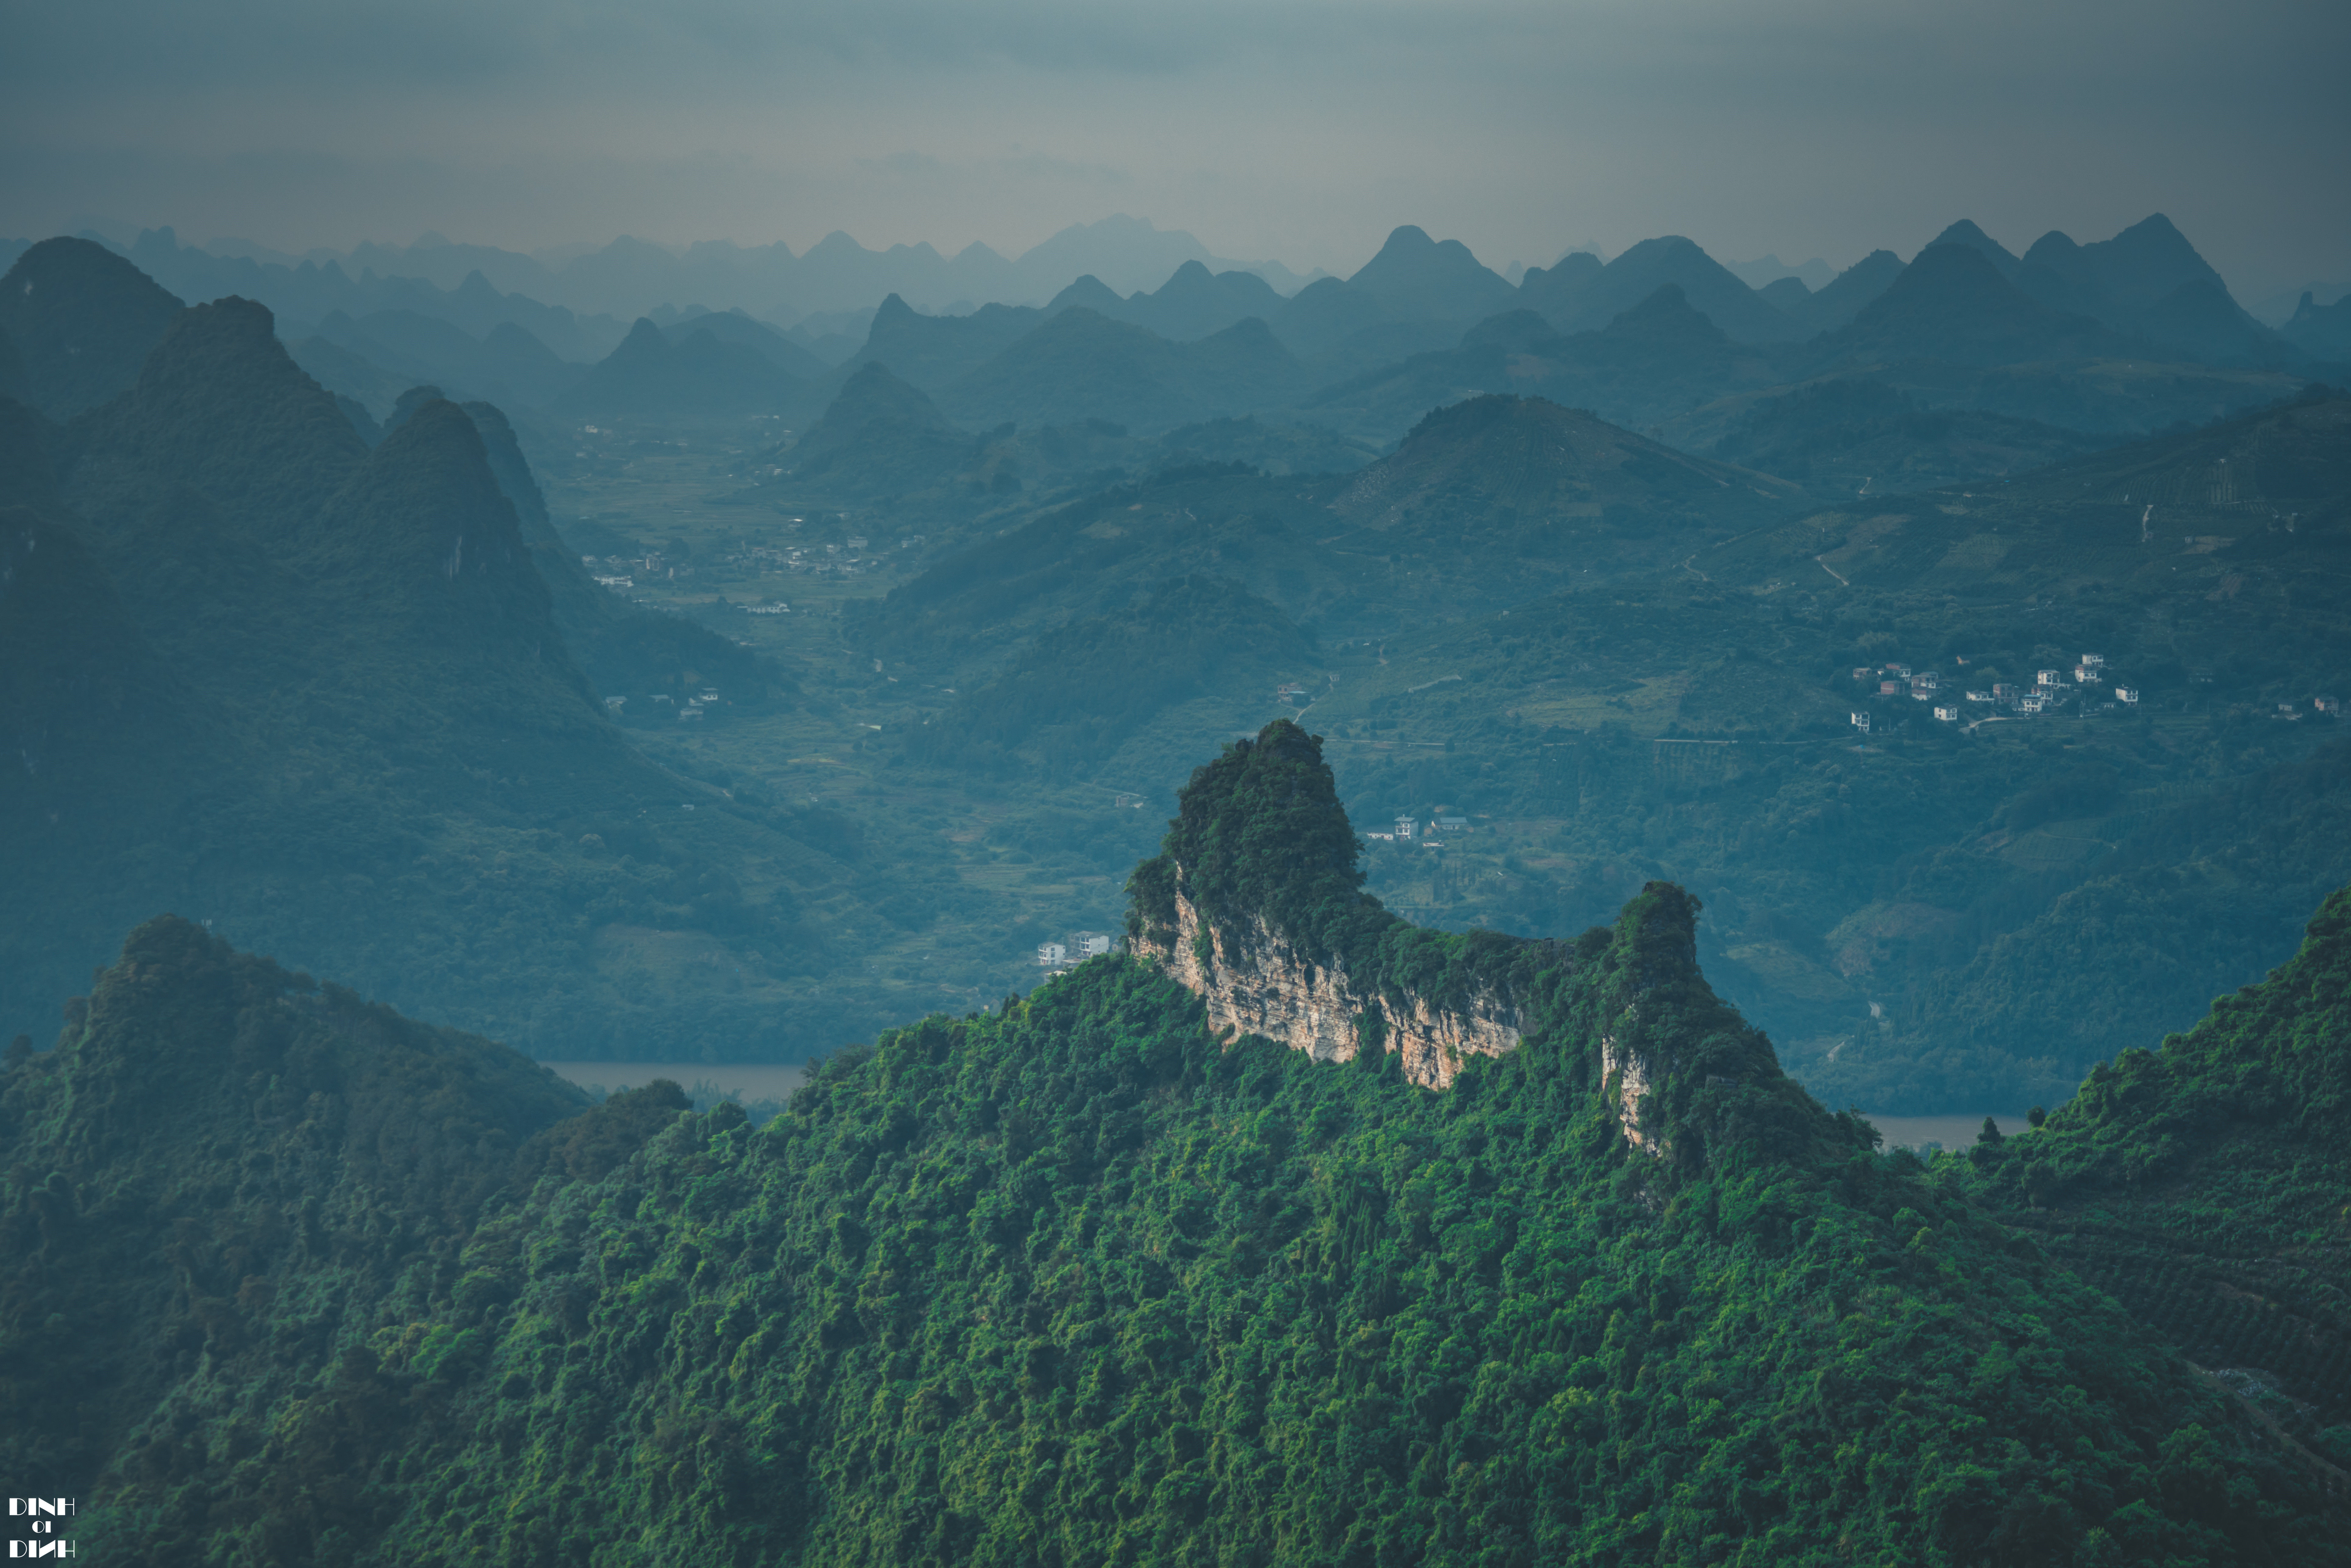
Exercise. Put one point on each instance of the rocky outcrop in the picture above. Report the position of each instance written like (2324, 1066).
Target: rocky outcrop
(1624, 1074)
(1262, 986)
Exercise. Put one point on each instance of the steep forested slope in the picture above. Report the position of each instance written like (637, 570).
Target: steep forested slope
(220, 1170)
(1077, 1282)
(80, 320)
(2203, 1182)
(322, 695)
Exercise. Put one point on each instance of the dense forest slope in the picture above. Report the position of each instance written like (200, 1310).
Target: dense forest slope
(1077, 1282)
(82, 320)
(2203, 1183)
(219, 1166)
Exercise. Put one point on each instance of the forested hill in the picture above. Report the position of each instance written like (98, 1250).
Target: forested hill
(1070, 1282)
(320, 695)
(2203, 1182)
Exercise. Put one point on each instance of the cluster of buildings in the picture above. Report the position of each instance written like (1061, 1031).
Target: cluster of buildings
(1080, 946)
(2051, 690)
(622, 571)
(1409, 829)
(851, 558)
(693, 707)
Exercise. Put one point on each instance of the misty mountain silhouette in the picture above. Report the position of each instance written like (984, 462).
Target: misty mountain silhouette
(1079, 365)
(1966, 233)
(509, 363)
(1414, 277)
(879, 435)
(1592, 300)
(2148, 280)
(1572, 272)
(2145, 263)
(931, 352)
(736, 327)
(304, 685)
(2321, 330)
(650, 378)
(1952, 304)
(1660, 357)
(1193, 303)
(82, 320)
(1475, 466)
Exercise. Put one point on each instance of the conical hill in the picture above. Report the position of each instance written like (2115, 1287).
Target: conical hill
(82, 320)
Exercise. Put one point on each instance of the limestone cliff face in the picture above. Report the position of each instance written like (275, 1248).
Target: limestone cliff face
(1256, 901)
(1626, 1073)
(1266, 987)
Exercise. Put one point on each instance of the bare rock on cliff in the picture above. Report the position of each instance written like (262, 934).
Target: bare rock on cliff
(1256, 903)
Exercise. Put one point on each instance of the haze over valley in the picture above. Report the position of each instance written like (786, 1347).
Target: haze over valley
(1276, 884)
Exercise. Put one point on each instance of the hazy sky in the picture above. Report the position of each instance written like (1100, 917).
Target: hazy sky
(1300, 130)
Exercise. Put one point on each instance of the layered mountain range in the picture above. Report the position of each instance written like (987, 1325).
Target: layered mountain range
(327, 683)
(2123, 335)
(404, 734)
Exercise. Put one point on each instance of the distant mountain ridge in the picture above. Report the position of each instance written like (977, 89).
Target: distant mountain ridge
(2061, 336)
(629, 277)
(331, 686)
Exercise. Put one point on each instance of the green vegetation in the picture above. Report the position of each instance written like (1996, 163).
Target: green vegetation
(219, 1169)
(2202, 1183)
(79, 320)
(973, 687)
(1848, 437)
(1515, 618)
(1072, 1281)
(1072, 698)
(1261, 849)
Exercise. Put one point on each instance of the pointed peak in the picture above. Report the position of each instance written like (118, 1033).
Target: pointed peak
(1965, 233)
(432, 425)
(873, 392)
(2155, 225)
(410, 402)
(1666, 299)
(83, 320)
(1657, 932)
(1089, 292)
(1944, 260)
(1260, 843)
